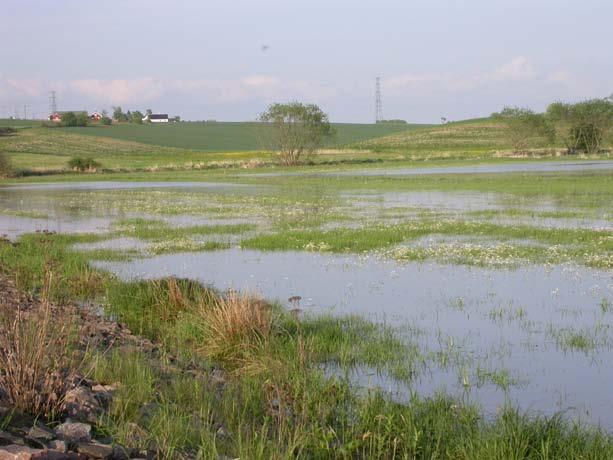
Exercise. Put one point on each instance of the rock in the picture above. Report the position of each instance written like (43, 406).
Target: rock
(15, 452)
(95, 450)
(121, 453)
(104, 394)
(6, 439)
(41, 433)
(81, 404)
(74, 432)
(57, 444)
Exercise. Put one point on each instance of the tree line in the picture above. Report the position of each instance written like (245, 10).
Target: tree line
(582, 127)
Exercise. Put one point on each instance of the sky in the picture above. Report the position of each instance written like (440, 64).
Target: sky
(229, 59)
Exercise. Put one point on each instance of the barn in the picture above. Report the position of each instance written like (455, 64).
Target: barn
(156, 118)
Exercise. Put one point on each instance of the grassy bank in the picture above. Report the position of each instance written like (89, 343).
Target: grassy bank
(239, 377)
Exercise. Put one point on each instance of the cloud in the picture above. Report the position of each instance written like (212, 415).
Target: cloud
(120, 91)
(518, 68)
(560, 76)
(260, 80)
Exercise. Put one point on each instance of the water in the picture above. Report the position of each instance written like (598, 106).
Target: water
(528, 166)
(93, 207)
(474, 321)
(484, 320)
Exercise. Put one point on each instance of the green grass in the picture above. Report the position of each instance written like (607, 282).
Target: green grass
(191, 145)
(223, 136)
(591, 247)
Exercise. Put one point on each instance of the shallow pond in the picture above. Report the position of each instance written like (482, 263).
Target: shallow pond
(93, 207)
(527, 166)
(537, 336)
(476, 324)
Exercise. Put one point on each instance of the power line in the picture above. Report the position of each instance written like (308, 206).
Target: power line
(378, 103)
(52, 103)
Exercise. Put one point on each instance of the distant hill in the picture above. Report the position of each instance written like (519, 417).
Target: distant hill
(225, 136)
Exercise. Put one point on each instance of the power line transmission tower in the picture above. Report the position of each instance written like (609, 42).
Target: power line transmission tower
(378, 103)
(52, 103)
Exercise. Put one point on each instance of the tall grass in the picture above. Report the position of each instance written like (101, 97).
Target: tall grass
(235, 329)
(38, 357)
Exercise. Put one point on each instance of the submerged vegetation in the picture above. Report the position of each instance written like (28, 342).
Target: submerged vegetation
(237, 376)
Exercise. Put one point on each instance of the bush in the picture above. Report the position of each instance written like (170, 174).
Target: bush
(584, 124)
(69, 119)
(7, 131)
(83, 164)
(106, 121)
(524, 127)
(82, 119)
(5, 165)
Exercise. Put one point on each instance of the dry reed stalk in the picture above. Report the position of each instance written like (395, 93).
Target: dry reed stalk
(38, 362)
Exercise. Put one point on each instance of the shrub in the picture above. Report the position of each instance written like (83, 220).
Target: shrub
(82, 119)
(5, 165)
(106, 121)
(69, 119)
(584, 124)
(83, 164)
(524, 127)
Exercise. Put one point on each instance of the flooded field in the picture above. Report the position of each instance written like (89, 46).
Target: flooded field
(504, 293)
(545, 166)
(534, 335)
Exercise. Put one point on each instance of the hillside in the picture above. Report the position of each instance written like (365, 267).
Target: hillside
(224, 136)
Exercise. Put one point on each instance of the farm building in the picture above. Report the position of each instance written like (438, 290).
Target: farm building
(95, 116)
(156, 118)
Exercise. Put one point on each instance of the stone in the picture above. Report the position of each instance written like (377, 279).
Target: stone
(41, 433)
(74, 432)
(121, 453)
(57, 444)
(6, 439)
(15, 452)
(104, 394)
(81, 404)
(95, 450)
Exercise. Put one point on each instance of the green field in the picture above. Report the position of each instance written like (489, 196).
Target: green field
(225, 136)
(187, 145)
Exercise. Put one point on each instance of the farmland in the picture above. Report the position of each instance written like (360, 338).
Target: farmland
(229, 145)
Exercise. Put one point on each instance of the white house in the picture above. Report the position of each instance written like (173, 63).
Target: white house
(156, 118)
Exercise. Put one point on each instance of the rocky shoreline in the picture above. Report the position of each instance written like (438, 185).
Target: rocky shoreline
(72, 433)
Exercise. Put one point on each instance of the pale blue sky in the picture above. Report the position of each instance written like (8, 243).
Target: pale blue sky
(203, 59)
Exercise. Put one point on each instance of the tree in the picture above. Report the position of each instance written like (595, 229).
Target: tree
(69, 119)
(118, 114)
(136, 117)
(82, 119)
(296, 130)
(585, 124)
(524, 127)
